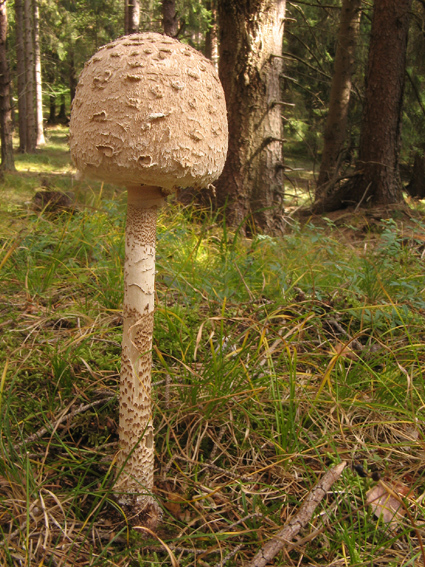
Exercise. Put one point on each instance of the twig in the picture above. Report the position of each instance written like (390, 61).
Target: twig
(229, 556)
(415, 88)
(241, 521)
(356, 344)
(177, 549)
(286, 534)
(363, 196)
(167, 391)
(67, 417)
(280, 103)
(251, 295)
(252, 477)
(215, 449)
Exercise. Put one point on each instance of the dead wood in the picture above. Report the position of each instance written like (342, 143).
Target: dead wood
(337, 195)
(299, 521)
(66, 417)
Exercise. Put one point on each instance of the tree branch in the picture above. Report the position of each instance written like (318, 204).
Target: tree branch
(299, 521)
(315, 4)
(67, 417)
(286, 55)
(416, 91)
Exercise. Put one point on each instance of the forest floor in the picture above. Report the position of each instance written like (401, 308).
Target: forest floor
(275, 360)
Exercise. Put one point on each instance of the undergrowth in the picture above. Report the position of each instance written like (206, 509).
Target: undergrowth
(274, 359)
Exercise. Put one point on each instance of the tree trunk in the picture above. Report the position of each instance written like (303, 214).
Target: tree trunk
(251, 34)
(211, 38)
(416, 186)
(52, 110)
(377, 180)
(20, 70)
(131, 16)
(170, 22)
(40, 140)
(30, 78)
(62, 117)
(336, 123)
(72, 75)
(6, 125)
(380, 135)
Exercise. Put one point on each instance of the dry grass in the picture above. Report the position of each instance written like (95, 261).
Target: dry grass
(274, 359)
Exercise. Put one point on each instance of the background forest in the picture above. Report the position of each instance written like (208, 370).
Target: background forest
(68, 33)
(289, 345)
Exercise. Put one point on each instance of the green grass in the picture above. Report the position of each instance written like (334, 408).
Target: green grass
(274, 358)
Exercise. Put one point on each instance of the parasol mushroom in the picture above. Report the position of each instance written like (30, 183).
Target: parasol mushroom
(148, 114)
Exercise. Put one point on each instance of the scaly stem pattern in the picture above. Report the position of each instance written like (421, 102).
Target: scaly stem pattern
(136, 455)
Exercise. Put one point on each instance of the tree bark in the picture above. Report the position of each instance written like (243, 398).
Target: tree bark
(251, 34)
(380, 135)
(131, 16)
(62, 117)
(30, 77)
(20, 70)
(211, 38)
(416, 185)
(40, 140)
(336, 123)
(170, 22)
(72, 75)
(377, 180)
(283, 538)
(52, 110)
(6, 125)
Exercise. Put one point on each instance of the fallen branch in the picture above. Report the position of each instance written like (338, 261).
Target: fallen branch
(229, 556)
(356, 344)
(251, 477)
(67, 417)
(299, 521)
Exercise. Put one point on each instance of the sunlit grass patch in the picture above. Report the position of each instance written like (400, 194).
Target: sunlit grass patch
(49, 158)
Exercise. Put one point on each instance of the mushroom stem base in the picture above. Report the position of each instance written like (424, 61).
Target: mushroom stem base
(136, 456)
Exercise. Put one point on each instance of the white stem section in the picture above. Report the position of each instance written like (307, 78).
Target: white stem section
(136, 454)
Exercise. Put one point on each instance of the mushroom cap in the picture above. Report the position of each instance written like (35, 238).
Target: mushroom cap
(149, 110)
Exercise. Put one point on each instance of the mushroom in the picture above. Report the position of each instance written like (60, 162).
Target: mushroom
(148, 114)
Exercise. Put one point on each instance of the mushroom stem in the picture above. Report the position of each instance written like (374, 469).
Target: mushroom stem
(136, 455)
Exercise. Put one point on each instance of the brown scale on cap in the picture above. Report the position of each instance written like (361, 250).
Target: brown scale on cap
(149, 111)
(149, 114)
